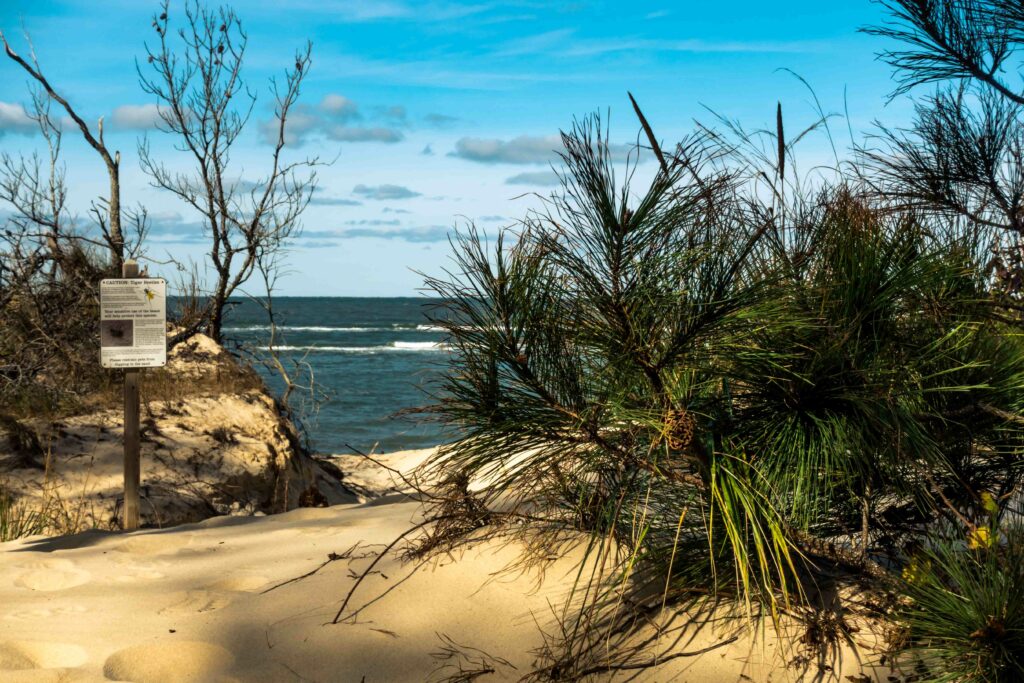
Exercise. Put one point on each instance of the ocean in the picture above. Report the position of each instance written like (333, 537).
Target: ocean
(373, 357)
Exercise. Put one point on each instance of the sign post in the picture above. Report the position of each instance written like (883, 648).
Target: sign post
(133, 335)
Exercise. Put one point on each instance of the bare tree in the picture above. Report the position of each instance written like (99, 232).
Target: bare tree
(108, 211)
(205, 104)
(34, 188)
(48, 274)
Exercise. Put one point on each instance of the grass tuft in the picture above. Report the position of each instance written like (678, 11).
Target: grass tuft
(964, 616)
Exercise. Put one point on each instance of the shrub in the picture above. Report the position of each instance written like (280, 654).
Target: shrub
(964, 617)
(49, 319)
(725, 381)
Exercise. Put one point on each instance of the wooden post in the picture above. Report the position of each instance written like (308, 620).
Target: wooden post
(132, 469)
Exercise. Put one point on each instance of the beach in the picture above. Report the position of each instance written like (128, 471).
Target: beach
(458, 342)
(218, 601)
(252, 547)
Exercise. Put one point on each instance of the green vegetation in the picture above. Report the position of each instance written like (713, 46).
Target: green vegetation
(748, 385)
(732, 384)
(964, 620)
(742, 394)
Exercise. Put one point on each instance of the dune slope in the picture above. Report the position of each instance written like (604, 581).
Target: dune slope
(191, 604)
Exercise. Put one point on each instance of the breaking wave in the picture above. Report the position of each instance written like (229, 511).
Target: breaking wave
(395, 346)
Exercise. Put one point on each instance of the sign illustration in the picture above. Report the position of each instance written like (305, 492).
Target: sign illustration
(133, 323)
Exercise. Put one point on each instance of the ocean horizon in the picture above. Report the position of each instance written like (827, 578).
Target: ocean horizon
(373, 357)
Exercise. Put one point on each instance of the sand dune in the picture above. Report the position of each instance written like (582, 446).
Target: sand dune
(192, 604)
(201, 454)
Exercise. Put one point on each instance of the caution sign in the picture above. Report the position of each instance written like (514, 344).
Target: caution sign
(133, 323)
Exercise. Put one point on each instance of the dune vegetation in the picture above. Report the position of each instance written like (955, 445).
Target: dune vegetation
(784, 391)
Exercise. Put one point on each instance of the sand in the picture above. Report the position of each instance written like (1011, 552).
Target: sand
(190, 604)
(201, 454)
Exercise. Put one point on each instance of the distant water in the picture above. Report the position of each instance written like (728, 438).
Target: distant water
(374, 357)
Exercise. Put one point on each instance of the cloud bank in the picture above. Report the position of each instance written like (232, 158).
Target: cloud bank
(544, 178)
(14, 119)
(526, 149)
(136, 117)
(384, 192)
(337, 118)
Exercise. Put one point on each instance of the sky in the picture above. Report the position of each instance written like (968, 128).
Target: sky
(436, 114)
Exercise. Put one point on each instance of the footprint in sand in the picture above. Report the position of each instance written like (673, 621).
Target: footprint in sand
(20, 655)
(52, 575)
(135, 570)
(139, 575)
(216, 596)
(132, 562)
(46, 613)
(53, 676)
(242, 582)
(192, 602)
(180, 661)
(154, 544)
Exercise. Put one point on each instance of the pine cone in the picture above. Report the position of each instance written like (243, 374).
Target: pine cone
(679, 426)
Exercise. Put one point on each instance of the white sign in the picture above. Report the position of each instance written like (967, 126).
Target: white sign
(133, 323)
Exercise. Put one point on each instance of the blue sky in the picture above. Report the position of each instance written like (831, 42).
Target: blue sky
(442, 112)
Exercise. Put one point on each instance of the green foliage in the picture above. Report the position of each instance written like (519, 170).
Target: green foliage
(964, 619)
(724, 382)
(887, 350)
(601, 328)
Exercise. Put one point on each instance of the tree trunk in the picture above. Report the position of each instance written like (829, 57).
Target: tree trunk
(213, 329)
(116, 235)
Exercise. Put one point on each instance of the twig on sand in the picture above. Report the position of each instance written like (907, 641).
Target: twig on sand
(463, 663)
(605, 668)
(331, 557)
(414, 485)
(366, 572)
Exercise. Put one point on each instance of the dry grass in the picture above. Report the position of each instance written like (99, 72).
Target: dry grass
(223, 376)
(17, 519)
(49, 513)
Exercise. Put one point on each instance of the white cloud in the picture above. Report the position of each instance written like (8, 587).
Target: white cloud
(14, 119)
(333, 201)
(136, 117)
(360, 11)
(374, 221)
(384, 192)
(395, 112)
(546, 178)
(330, 238)
(357, 134)
(433, 233)
(374, 10)
(170, 227)
(339, 107)
(525, 149)
(534, 44)
(332, 119)
(440, 120)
